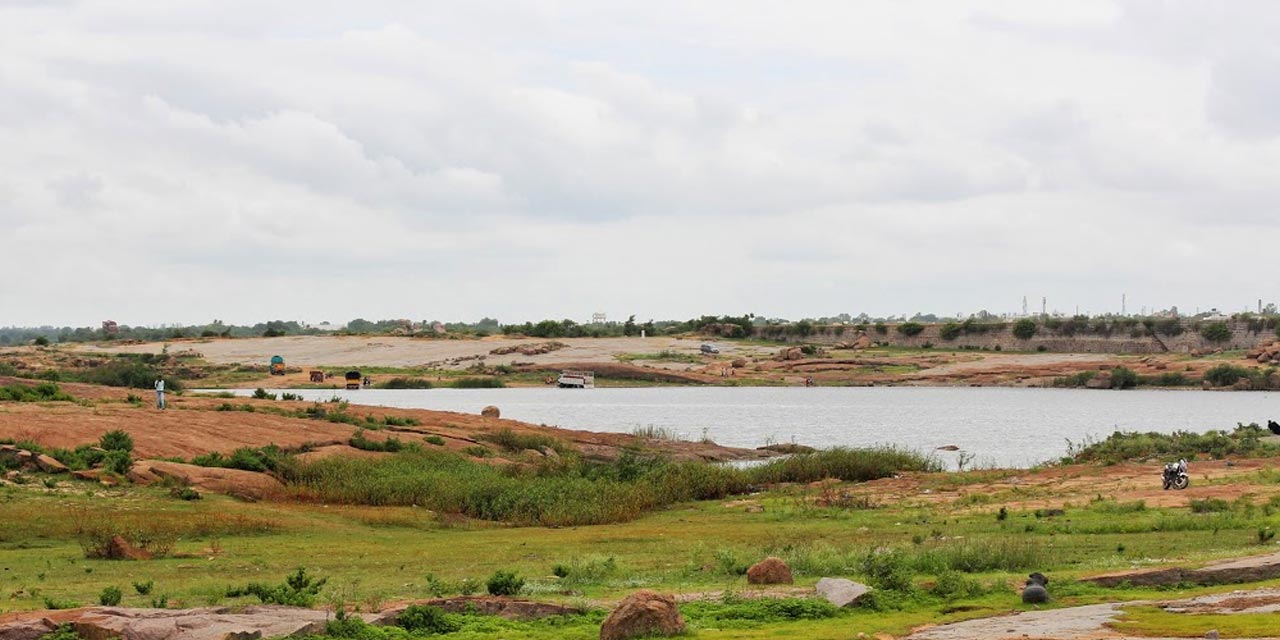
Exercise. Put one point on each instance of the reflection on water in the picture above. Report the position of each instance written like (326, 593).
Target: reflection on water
(1007, 427)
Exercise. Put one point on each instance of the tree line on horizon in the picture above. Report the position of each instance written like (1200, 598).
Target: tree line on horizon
(727, 326)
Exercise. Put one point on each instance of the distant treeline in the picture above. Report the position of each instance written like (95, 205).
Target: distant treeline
(724, 326)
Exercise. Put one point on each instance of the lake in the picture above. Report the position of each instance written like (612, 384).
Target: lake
(1011, 427)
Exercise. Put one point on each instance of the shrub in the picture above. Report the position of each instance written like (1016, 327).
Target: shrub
(110, 597)
(478, 383)
(910, 328)
(261, 394)
(144, 588)
(434, 439)
(512, 441)
(888, 570)
(1024, 329)
(950, 331)
(43, 392)
(290, 396)
(1209, 505)
(127, 372)
(64, 632)
(117, 440)
(1225, 375)
(881, 328)
(504, 583)
(268, 458)
(1216, 332)
(952, 585)
(406, 383)
(391, 444)
(425, 619)
(298, 590)
(117, 462)
(1123, 378)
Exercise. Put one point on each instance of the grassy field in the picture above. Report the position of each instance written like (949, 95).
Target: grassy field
(931, 562)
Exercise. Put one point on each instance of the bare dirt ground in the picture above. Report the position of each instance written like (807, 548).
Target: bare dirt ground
(194, 426)
(391, 351)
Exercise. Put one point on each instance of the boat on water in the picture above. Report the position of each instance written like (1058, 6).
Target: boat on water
(570, 379)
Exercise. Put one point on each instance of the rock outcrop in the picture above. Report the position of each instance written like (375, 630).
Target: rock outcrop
(209, 623)
(643, 614)
(841, 592)
(1253, 569)
(247, 485)
(491, 412)
(771, 570)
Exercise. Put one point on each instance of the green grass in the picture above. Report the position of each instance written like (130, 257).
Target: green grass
(661, 356)
(1154, 621)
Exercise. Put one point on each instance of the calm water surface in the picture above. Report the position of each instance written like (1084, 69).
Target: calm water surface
(1008, 427)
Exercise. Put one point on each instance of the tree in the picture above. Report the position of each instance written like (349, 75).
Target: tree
(1024, 329)
(629, 327)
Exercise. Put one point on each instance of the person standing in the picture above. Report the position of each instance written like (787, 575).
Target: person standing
(160, 393)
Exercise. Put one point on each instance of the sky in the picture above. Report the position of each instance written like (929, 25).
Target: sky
(175, 162)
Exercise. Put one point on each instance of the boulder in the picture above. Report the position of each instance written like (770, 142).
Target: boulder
(491, 412)
(863, 342)
(771, 570)
(841, 592)
(25, 630)
(248, 485)
(49, 465)
(510, 608)
(120, 549)
(1036, 591)
(643, 614)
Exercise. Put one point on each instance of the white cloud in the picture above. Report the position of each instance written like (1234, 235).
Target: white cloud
(175, 162)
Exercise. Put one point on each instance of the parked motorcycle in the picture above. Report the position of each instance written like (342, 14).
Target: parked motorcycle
(1175, 475)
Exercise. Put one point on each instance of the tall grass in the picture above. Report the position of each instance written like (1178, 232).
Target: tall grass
(1244, 440)
(568, 491)
(43, 392)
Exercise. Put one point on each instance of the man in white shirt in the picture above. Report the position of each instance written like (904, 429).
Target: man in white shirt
(160, 393)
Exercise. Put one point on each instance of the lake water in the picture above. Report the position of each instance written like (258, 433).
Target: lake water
(1003, 426)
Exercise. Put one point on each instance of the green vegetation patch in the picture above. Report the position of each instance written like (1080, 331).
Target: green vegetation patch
(1244, 440)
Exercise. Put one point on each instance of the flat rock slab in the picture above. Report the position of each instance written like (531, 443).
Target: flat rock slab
(1254, 569)
(841, 592)
(208, 623)
(1072, 623)
(234, 482)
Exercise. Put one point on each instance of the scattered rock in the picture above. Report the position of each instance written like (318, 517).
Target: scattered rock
(771, 570)
(491, 412)
(841, 592)
(535, 349)
(948, 447)
(1036, 590)
(120, 549)
(49, 465)
(510, 608)
(26, 630)
(642, 614)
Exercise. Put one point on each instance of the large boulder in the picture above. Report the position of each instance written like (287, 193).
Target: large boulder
(25, 630)
(841, 592)
(120, 549)
(491, 412)
(771, 570)
(49, 465)
(1036, 590)
(643, 614)
(248, 485)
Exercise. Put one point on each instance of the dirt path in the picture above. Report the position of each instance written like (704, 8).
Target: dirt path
(1091, 622)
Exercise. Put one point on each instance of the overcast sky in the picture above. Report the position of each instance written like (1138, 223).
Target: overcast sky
(175, 162)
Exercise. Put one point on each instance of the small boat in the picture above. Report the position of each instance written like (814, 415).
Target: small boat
(570, 379)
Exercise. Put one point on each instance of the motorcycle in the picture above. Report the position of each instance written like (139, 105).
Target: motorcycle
(1175, 475)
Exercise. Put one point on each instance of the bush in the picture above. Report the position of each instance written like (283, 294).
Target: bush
(144, 588)
(950, 331)
(43, 392)
(406, 383)
(268, 458)
(1024, 329)
(1216, 332)
(298, 590)
(881, 328)
(1209, 505)
(504, 583)
(1120, 446)
(427, 620)
(1123, 378)
(261, 394)
(478, 383)
(117, 462)
(128, 372)
(513, 442)
(110, 597)
(1225, 375)
(117, 440)
(436, 440)
(910, 328)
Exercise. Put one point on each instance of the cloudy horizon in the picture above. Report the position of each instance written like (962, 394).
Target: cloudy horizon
(176, 162)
